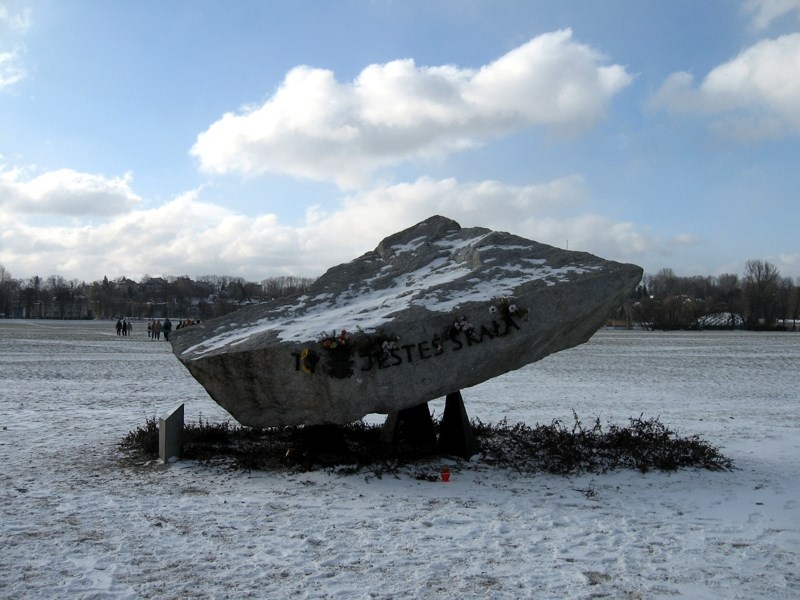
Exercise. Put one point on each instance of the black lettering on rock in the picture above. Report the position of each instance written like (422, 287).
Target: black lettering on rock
(408, 348)
(485, 332)
(397, 360)
(509, 324)
(424, 350)
(455, 340)
(296, 360)
(438, 347)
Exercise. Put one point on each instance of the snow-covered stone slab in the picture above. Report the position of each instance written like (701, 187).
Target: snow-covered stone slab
(432, 310)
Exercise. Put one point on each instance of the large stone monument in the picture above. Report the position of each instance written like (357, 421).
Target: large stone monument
(432, 310)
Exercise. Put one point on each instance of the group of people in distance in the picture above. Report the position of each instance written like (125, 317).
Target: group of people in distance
(154, 327)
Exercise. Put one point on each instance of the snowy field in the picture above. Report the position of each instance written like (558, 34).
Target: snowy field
(80, 522)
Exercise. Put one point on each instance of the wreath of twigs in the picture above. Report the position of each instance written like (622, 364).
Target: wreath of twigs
(643, 445)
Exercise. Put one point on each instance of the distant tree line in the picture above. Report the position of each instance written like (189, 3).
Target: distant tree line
(759, 299)
(152, 297)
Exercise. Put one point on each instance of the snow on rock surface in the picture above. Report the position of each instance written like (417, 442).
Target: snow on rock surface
(432, 310)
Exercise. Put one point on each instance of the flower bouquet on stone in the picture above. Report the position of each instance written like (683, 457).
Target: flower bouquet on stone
(341, 342)
(339, 348)
(507, 308)
(379, 345)
(463, 324)
(460, 325)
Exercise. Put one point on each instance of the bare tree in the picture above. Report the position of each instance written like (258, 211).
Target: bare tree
(761, 282)
(729, 296)
(285, 285)
(787, 293)
(663, 283)
(794, 305)
(6, 292)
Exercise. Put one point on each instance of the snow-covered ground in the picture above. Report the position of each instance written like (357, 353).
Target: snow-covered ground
(79, 522)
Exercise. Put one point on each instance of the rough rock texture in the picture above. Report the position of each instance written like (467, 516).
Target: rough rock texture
(432, 310)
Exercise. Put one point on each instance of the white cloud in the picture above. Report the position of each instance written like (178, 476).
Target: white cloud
(65, 192)
(684, 239)
(588, 232)
(757, 93)
(788, 263)
(190, 236)
(183, 236)
(318, 128)
(11, 69)
(552, 213)
(766, 11)
(19, 21)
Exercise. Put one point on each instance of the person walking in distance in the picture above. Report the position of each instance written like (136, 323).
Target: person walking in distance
(167, 328)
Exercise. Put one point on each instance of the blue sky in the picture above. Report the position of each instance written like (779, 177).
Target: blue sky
(259, 139)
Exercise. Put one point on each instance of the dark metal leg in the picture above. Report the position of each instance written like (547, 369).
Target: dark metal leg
(455, 435)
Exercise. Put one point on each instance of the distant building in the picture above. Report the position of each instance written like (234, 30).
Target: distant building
(722, 320)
